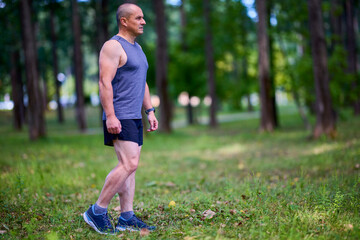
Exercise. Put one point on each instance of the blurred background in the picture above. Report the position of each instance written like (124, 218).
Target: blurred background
(209, 61)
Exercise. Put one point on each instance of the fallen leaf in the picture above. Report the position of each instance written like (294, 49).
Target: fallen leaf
(348, 227)
(192, 210)
(151, 184)
(223, 225)
(161, 208)
(189, 238)
(244, 197)
(237, 224)
(232, 211)
(6, 227)
(144, 232)
(170, 184)
(241, 166)
(208, 214)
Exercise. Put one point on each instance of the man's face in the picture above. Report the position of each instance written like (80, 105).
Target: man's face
(136, 22)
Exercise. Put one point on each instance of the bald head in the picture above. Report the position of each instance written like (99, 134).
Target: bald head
(125, 10)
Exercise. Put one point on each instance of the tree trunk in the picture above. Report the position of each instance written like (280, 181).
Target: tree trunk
(161, 67)
(351, 51)
(184, 47)
(272, 66)
(249, 105)
(266, 102)
(60, 113)
(17, 91)
(78, 67)
(210, 63)
(35, 107)
(325, 117)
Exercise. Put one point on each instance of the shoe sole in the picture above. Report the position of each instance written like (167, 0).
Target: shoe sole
(91, 224)
(126, 228)
(131, 229)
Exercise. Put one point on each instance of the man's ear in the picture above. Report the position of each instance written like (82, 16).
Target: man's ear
(123, 21)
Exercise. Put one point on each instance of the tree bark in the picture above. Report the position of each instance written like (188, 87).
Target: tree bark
(78, 67)
(351, 51)
(267, 122)
(272, 66)
(325, 117)
(60, 113)
(17, 91)
(210, 63)
(184, 47)
(35, 106)
(161, 67)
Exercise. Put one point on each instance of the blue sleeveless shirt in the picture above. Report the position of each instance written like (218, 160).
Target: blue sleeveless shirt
(129, 82)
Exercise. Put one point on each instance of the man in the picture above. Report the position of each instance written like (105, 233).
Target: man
(123, 92)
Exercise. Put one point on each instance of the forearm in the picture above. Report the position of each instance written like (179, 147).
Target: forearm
(147, 99)
(106, 98)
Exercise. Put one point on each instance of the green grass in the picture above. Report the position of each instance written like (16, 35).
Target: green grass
(259, 185)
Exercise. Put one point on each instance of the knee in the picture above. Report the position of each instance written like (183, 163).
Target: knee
(131, 165)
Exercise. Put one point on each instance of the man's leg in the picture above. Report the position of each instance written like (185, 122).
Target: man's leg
(128, 155)
(127, 192)
(128, 220)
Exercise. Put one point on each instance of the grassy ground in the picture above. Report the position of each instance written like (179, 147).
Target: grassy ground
(227, 183)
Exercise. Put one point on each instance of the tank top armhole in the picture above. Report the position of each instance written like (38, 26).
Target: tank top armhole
(117, 39)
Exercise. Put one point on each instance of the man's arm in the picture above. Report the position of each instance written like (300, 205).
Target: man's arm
(147, 105)
(108, 63)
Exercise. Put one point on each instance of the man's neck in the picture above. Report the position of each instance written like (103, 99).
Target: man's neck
(128, 37)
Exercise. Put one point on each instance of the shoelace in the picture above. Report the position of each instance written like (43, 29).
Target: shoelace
(142, 223)
(107, 220)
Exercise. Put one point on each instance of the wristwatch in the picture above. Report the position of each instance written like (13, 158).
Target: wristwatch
(149, 110)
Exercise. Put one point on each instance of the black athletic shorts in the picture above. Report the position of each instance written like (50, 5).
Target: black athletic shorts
(131, 130)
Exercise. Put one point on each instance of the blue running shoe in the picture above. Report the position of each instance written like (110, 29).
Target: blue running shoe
(101, 223)
(133, 224)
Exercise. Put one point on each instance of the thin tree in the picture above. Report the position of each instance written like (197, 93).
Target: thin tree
(351, 50)
(161, 67)
(267, 122)
(325, 117)
(210, 64)
(102, 33)
(55, 66)
(17, 90)
(35, 108)
(78, 67)
(184, 49)
(272, 64)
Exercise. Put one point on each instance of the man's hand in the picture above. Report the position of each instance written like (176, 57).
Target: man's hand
(113, 125)
(153, 122)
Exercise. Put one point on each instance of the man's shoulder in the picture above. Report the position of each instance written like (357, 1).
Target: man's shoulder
(113, 47)
(112, 43)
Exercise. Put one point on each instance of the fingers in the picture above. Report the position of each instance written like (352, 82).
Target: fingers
(153, 125)
(113, 126)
